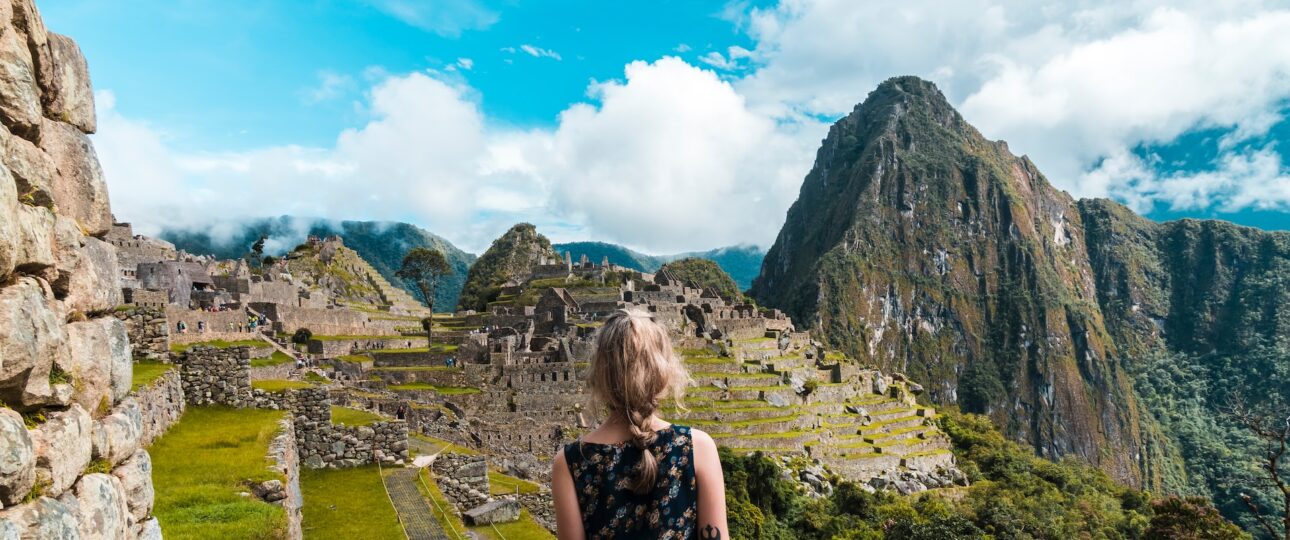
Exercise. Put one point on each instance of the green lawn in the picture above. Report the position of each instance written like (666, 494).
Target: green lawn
(504, 484)
(349, 503)
(445, 446)
(354, 417)
(218, 344)
(199, 470)
(280, 385)
(445, 390)
(146, 372)
(355, 358)
(277, 358)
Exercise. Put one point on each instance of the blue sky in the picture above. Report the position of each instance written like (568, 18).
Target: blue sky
(668, 125)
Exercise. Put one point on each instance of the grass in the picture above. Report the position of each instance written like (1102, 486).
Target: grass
(200, 498)
(218, 344)
(316, 378)
(438, 348)
(355, 338)
(445, 446)
(278, 358)
(354, 417)
(416, 368)
(280, 385)
(504, 484)
(346, 503)
(445, 390)
(146, 372)
(524, 529)
(354, 358)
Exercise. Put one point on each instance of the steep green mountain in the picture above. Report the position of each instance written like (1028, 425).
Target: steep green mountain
(381, 244)
(703, 273)
(919, 246)
(510, 257)
(1078, 327)
(742, 262)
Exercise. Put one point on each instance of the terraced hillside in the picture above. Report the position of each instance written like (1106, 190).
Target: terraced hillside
(757, 398)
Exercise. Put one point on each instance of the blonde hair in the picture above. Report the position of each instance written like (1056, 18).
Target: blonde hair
(632, 369)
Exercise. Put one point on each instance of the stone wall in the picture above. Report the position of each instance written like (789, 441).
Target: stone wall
(214, 376)
(211, 321)
(463, 479)
(161, 403)
(55, 268)
(322, 444)
(330, 348)
(286, 460)
(323, 322)
(148, 332)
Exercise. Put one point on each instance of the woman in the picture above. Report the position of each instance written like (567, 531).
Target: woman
(637, 476)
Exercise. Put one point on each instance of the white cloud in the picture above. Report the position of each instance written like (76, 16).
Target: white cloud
(537, 52)
(668, 159)
(447, 18)
(331, 85)
(1073, 85)
(466, 64)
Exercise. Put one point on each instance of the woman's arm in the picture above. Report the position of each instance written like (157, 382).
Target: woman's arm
(712, 488)
(568, 518)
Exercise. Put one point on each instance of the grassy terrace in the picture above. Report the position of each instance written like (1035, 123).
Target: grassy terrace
(201, 498)
(505, 484)
(278, 358)
(354, 358)
(438, 348)
(341, 504)
(146, 372)
(445, 390)
(358, 338)
(354, 417)
(280, 385)
(416, 368)
(444, 446)
(218, 344)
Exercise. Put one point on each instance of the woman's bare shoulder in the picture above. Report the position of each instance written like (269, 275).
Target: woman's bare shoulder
(703, 442)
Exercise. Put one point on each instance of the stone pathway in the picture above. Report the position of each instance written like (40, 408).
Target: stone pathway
(413, 509)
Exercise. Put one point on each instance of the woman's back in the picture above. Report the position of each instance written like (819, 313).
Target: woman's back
(602, 478)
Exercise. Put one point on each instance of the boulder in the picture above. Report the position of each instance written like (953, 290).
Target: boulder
(85, 265)
(136, 477)
(97, 347)
(17, 458)
(32, 340)
(35, 249)
(149, 529)
(43, 518)
(498, 511)
(31, 168)
(102, 508)
(78, 188)
(117, 435)
(19, 94)
(879, 384)
(65, 81)
(776, 400)
(8, 222)
(63, 446)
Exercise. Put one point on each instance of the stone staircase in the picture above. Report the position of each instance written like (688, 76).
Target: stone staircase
(748, 402)
(400, 300)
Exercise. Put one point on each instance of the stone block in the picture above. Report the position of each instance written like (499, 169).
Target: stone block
(136, 477)
(35, 249)
(101, 508)
(87, 270)
(31, 168)
(63, 446)
(98, 348)
(78, 188)
(20, 108)
(43, 518)
(67, 94)
(17, 458)
(32, 339)
(117, 436)
(498, 511)
(9, 232)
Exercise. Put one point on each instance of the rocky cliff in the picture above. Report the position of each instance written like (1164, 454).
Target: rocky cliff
(509, 258)
(919, 246)
(71, 465)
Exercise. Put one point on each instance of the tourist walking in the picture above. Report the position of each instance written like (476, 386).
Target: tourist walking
(637, 476)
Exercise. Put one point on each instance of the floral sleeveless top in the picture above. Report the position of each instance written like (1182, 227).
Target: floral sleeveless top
(602, 475)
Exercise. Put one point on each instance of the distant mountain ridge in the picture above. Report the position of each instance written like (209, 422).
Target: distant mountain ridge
(742, 262)
(381, 244)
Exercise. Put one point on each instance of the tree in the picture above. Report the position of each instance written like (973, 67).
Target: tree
(1189, 518)
(257, 251)
(302, 336)
(1271, 424)
(424, 267)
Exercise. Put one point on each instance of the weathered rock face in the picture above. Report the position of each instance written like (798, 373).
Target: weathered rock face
(920, 246)
(65, 361)
(509, 257)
